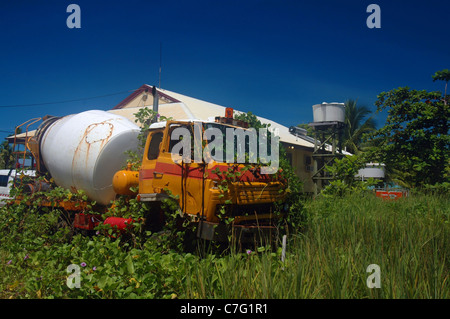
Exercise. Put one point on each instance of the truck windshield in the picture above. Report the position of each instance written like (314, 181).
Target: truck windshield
(232, 144)
(221, 143)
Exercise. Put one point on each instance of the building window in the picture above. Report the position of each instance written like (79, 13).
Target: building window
(289, 158)
(307, 160)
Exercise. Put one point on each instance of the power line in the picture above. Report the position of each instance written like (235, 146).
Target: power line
(66, 101)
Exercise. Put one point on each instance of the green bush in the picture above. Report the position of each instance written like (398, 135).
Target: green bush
(345, 183)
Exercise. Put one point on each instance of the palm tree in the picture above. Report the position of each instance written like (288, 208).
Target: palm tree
(357, 124)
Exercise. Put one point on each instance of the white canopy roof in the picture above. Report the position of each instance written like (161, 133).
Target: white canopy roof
(187, 107)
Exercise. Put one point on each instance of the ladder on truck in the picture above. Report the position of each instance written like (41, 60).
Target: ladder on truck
(26, 152)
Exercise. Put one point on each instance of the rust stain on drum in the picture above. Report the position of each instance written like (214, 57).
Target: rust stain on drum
(100, 125)
(87, 141)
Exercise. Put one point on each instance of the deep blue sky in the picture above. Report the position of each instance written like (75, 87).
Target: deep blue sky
(274, 58)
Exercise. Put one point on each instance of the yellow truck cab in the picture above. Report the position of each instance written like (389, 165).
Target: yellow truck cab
(207, 191)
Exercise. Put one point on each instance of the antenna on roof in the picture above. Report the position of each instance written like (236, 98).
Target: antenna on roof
(160, 62)
(155, 99)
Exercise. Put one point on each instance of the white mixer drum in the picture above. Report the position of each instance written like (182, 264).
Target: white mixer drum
(83, 151)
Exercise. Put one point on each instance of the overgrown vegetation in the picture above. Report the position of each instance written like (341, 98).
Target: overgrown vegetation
(294, 200)
(340, 237)
(344, 183)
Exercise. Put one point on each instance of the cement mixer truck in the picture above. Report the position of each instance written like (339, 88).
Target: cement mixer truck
(86, 151)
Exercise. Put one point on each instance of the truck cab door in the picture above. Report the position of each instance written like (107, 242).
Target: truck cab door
(151, 154)
(176, 169)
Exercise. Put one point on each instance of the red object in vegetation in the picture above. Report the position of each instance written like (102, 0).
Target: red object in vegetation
(389, 195)
(118, 223)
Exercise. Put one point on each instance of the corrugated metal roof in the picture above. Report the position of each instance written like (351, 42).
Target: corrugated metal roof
(192, 108)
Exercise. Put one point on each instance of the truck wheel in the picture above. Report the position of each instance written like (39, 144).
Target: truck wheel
(154, 218)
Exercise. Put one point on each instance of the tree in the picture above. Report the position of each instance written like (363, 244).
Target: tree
(251, 119)
(415, 138)
(356, 125)
(443, 75)
(6, 155)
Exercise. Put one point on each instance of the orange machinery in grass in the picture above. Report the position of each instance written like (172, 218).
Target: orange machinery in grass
(86, 151)
(204, 190)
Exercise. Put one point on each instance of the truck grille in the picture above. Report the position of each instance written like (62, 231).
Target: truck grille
(258, 194)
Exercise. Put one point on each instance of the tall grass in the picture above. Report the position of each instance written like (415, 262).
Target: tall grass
(408, 239)
(327, 258)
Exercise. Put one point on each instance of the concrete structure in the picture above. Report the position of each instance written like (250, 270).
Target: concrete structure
(179, 107)
(372, 170)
